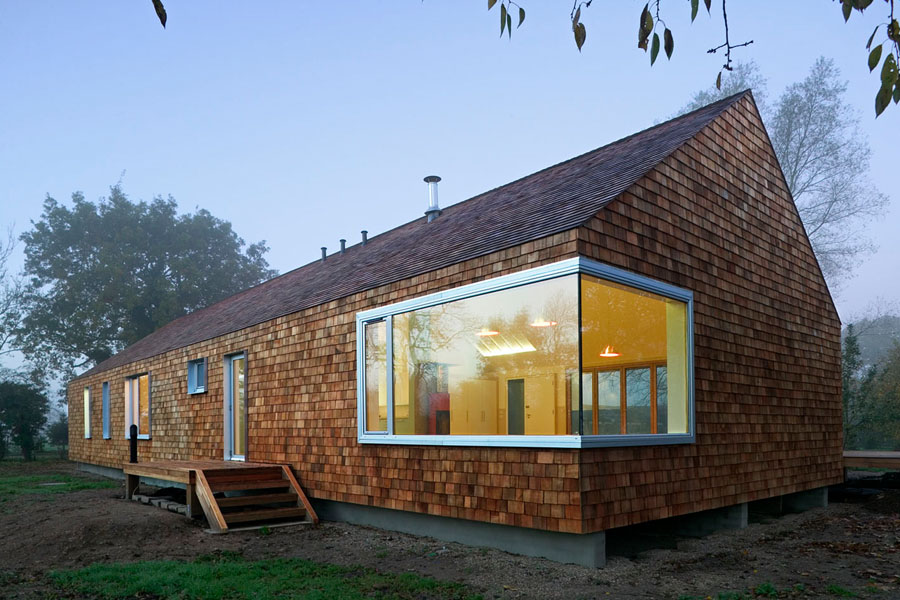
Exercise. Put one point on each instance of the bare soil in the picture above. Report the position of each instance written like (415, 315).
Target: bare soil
(851, 546)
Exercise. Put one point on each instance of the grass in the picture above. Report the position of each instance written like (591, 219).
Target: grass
(13, 485)
(227, 576)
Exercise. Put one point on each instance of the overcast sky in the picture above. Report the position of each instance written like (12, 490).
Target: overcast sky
(302, 123)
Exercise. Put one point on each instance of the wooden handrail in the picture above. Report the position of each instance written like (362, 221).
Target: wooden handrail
(209, 504)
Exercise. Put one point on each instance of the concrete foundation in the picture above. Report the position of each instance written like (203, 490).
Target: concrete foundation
(588, 549)
(806, 500)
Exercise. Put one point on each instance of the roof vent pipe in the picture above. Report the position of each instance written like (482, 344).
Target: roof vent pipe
(433, 209)
(343, 245)
(365, 236)
(324, 252)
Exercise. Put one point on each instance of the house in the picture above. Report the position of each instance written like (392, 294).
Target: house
(638, 333)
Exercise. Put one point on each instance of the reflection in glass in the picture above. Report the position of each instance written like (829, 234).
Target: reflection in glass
(489, 365)
(637, 394)
(376, 376)
(609, 403)
(662, 404)
(238, 408)
(143, 405)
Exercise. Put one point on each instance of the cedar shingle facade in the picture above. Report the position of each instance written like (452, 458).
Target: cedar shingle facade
(698, 202)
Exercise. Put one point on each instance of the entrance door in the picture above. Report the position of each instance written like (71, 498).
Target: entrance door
(235, 407)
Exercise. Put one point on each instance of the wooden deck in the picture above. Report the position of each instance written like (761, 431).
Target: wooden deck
(229, 492)
(870, 459)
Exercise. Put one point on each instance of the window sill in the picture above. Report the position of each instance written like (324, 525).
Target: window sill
(529, 441)
(197, 391)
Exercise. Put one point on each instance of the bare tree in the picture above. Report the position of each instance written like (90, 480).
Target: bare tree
(824, 156)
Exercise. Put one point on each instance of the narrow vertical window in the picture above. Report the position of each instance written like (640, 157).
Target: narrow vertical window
(87, 412)
(376, 378)
(137, 405)
(105, 410)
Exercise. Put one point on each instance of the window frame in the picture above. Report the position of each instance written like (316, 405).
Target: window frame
(88, 402)
(577, 266)
(107, 434)
(131, 417)
(192, 387)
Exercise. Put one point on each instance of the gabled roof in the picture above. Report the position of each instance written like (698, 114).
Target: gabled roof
(556, 199)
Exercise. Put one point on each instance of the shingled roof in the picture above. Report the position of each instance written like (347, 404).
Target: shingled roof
(556, 199)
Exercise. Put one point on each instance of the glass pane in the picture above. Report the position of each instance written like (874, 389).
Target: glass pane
(609, 403)
(662, 403)
(626, 328)
(87, 412)
(489, 365)
(376, 376)
(144, 405)
(587, 403)
(239, 428)
(637, 394)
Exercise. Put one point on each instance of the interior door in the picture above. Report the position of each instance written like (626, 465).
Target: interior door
(236, 408)
(515, 400)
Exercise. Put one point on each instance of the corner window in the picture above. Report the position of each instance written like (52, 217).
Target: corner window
(105, 410)
(87, 412)
(575, 354)
(196, 376)
(137, 405)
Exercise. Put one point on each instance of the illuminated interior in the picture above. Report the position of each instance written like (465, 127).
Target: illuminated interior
(507, 363)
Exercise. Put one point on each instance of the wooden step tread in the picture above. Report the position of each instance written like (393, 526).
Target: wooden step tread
(269, 514)
(248, 473)
(226, 486)
(251, 500)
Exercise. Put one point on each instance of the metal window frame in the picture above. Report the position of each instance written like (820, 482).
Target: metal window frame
(88, 405)
(572, 266)
(104, 408)
(192, 387)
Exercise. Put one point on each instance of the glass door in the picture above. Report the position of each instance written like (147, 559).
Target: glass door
(235, 407)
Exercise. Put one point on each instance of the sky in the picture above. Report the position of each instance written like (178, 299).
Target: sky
(303, 123)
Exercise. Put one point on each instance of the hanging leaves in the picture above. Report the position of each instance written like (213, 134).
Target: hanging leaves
(708, 5)
(503, 19)
(668, 43)
(654, 49)
(695, 6)
(874, 58)
(578, 29)
(521, 17)
(719, 81)
(161, 11)
(645, 27)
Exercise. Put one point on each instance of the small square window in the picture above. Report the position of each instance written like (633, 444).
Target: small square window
(197, 376)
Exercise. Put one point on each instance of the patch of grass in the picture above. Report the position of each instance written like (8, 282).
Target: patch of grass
(228, 577)
(836, 590)
(50, 483)
(766, 590)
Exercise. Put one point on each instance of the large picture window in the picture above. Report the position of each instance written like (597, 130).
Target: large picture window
(137, 405)
(575, 354)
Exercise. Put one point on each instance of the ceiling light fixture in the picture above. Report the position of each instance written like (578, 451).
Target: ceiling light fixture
(485, 332)
(609, 352)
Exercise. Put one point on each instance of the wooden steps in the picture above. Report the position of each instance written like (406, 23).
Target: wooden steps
(231, 493)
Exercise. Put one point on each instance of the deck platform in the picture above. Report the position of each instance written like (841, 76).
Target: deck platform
(871, 459)
(229, 492)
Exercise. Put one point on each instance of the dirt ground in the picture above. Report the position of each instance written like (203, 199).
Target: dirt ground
(847, 547)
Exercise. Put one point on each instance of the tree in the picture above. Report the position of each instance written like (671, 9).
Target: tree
(23, 412)
(10, 296)
(102, 276)
(857, 381)
(651, 23)
(824, 156)
(58, 434)
(886, 391)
